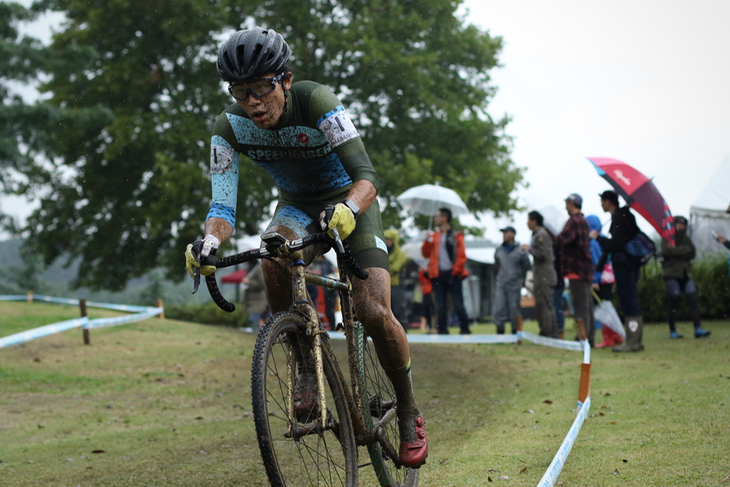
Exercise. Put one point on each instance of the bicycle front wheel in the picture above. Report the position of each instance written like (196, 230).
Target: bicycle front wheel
(298, 449)
(379, 405)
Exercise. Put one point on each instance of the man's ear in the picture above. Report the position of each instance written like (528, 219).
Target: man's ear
(286, 81)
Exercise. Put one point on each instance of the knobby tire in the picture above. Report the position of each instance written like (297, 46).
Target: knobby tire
(327, 458)
(378, 398)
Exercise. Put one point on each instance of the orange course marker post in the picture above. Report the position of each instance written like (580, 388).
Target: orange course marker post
(584, 389)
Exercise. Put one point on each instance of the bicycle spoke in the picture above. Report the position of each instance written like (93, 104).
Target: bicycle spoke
(380, 409)
(300, 452)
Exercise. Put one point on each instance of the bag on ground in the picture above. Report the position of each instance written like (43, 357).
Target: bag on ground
(607, 315)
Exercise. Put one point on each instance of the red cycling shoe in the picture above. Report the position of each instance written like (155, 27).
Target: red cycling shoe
(413, 442)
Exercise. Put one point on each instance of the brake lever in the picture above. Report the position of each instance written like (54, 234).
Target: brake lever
(338, 241)
(211, 259)
(196, 279)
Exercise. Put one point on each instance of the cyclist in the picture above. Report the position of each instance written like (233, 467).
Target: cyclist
(303, 137)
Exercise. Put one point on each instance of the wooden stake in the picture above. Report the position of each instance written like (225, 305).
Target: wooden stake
(162, 307)
(87, 335)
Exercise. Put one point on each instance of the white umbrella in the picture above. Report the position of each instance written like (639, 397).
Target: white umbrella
(426, 199)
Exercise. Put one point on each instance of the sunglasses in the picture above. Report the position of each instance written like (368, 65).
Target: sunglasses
(258, 87)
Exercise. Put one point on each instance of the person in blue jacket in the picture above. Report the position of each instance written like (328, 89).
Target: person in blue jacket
(602, 283)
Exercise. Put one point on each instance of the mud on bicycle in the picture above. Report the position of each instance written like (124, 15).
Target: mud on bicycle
(309, 433)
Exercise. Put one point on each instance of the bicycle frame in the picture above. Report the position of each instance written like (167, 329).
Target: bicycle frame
(304, 306)
(365, 431)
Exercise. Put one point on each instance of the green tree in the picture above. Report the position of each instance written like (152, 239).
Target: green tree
(121, 149)
(18, 65)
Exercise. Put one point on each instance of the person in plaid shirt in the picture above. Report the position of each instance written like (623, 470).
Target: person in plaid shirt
(576, 263)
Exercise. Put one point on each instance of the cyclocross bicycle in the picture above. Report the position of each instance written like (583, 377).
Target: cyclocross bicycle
(305, 443)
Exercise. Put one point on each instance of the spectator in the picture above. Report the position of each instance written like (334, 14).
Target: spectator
(511, 264)
(447, 257)
(623, 230)
(558, 293)
(544, 277)
(576, 263)
(603, 280)
(677, 277)
(254, 296)
(397, 259)
(427, 306)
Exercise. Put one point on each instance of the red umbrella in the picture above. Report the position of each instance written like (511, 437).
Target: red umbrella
(639, 193)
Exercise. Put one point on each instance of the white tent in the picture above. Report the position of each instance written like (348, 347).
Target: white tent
(709, 212)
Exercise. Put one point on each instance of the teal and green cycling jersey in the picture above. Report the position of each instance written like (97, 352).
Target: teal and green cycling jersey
(314, 157)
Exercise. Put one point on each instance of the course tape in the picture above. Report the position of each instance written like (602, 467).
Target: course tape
(521, 335)
(26, 336)
(12, 297)
(123, 320)
(551, 342)
(141, 313)
(551, 475)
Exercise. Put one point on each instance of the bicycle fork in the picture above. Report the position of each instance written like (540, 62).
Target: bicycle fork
(302, 305)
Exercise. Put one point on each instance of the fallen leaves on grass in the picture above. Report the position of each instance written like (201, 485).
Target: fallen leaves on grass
(98, 451)
(547, 401)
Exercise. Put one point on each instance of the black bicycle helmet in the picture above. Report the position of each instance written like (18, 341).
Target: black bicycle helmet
(252, 52)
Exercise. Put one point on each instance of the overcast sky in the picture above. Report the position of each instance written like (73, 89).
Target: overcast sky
(642, 81)
(645, 82)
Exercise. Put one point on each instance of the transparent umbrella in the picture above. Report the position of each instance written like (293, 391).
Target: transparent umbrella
(427, 199)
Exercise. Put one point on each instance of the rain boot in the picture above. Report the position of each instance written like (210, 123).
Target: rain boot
(634, 330)
(610, 338)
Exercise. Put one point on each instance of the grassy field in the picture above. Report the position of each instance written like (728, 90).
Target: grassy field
(167, 403)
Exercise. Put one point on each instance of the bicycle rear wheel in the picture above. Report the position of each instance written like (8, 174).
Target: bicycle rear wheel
(296, 453)
(379, 404)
